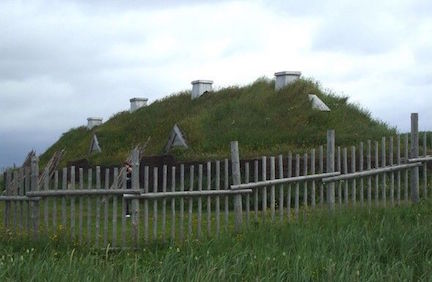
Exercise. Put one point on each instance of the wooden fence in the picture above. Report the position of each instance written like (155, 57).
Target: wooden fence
(226, 196)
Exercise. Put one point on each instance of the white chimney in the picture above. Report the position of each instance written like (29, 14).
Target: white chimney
(136, 103)
(200, 87)
(93, 121)
(284, 78)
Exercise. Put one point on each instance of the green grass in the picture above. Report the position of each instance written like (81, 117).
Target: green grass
(352, 244)
(262, 120)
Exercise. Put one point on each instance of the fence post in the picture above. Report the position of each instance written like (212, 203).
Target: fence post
(330, 166)
(235, 163)
(135, 186)
(414, 154)
(34, 204)
(8, 188)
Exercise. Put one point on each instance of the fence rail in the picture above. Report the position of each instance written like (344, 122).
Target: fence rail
(260, 184)
(371, 172)
(100, 207)
(185, 194)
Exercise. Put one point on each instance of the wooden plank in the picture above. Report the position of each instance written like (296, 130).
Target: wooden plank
(313, 201)
(181, 203)
(384, 176)
(425, 165)
(173, 211)
(305, 184)
(391, 173)
(217, 187)
(398, 160)
(155, 204)
(345, 171)
(46, 201)
(89, 207)
(63, 200)
(105, 204)
(72, 203)
(235, 162)
(406, 171)
(98, 206)
(297, 187)
(420, 159)
(135, 203)
(54, 207)
(368, 167)
(226, 186)
(188, 194)
(114, 209)
(353, 169)
(375, 171)
(209, 199)
(16, 203)
(9, 196)
(264, 190)
(27, 171)
(376, 176)
(200, 173)
(247, 196)
(414, 153)
(80, 205)
(19, 198)
(281, 189)
(191, 188)
(11, 199)
(35, 204)
(124, 207)
(146, 204)
(86, 192)
(256, 178)
(361, 166)
(8, 193)
(12, 191)
(339, 168)
(330, 166)
(272, 188)
(321, 170)
(289, 174)
(164, 189)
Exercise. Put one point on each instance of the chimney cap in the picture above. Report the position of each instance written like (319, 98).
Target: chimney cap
(136, 99)
(281, 73)
(202, 81)
(94, 118)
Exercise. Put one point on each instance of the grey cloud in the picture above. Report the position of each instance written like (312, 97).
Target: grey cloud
(300, 8)
(423, 53)
(419, 8)
(418, 78)
(330, 8)
(358, 34)
(358, 27)
(146, 4)
(355, 39)
(17, 143)
(62, 61)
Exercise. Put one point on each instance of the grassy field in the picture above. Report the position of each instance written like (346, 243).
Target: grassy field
(262, 120)
(357, 245)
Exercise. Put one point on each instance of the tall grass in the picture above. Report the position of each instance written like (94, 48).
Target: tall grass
(350, 245)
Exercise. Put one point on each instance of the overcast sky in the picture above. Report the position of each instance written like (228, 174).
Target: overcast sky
(63, 61)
